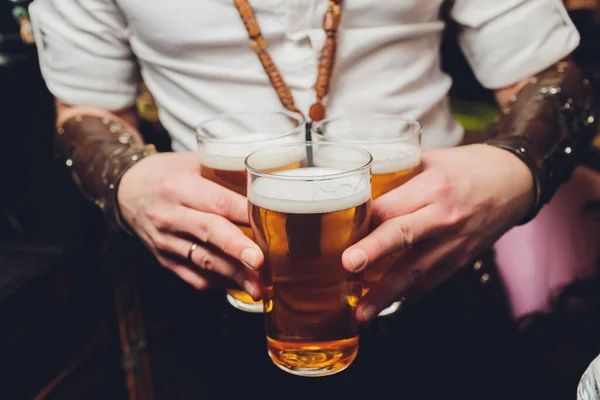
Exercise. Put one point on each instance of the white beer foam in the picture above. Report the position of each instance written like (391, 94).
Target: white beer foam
(393, 157)
(230, 155)
(387, 158)
(310, 197)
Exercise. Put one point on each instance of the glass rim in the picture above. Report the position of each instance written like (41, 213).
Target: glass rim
(232, 115)
(417, 132)
(325, 177)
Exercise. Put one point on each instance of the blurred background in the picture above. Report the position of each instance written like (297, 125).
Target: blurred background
(59, 327)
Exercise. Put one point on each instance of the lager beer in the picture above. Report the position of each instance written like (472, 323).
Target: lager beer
(388, 174)
(303, 219)
(394, 144)
(393, 166)
(224, 142)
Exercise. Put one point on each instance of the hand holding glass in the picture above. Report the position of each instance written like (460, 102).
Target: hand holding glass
(395, 144)
(303, 219)
(224, 143)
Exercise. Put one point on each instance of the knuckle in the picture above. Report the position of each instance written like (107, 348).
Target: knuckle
(403, 233)
(206, 226)
(160, 219)
(205, 261)
(167, 186)
(442, 185)
(454, 216)
(221, 203)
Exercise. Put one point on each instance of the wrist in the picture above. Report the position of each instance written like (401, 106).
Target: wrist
(98, 151)
(117, 166)
(523, 186)
(548, 125)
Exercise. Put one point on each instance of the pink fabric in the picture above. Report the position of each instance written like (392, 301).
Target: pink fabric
(559, 246)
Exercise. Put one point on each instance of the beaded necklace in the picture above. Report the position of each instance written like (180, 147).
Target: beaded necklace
(331, 22)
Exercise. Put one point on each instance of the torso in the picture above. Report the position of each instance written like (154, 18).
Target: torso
(194, 57)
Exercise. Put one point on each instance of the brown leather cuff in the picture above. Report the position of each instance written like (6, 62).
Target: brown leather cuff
(99, 151)
(549, 125)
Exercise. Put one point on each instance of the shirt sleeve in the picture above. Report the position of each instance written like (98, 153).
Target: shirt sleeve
(589, 385)
(84, 53)
(508, 40)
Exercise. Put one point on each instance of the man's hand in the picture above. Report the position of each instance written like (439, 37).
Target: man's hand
(170, 205)
(463, 201)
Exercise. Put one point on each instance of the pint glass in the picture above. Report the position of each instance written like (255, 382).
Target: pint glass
(303, 219)
(395, 144)
(225, 141)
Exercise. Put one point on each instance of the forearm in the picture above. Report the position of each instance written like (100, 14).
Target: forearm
(548, 121)
(98, 147)
(503, 96)
(128, 117)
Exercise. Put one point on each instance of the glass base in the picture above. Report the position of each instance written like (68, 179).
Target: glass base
(251, 308)
(312, 359)
(311, 372)
(391, 309)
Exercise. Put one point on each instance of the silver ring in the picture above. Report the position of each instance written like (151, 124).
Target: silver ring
(191, 250)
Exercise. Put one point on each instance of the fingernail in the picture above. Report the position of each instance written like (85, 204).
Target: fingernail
(358, 259)
(249, 288)
(368, 312)
(249, 257)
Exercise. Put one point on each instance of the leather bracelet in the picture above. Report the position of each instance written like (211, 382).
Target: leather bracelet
(538, 176)
(118, 163)
(98, 152)
(549, 126)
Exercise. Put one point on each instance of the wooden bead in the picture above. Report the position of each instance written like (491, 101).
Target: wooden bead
(317, 112)
(331, 22)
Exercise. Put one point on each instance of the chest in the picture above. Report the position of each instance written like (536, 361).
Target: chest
(175, 24)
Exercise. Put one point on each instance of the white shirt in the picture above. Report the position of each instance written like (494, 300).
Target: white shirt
(194, 55)
(589, 385)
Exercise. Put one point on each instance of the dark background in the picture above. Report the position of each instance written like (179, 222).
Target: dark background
(56, 312)
(57, 321)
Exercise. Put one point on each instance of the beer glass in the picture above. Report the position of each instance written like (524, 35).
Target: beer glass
(303, 219)
(395, 144)
(223, 144)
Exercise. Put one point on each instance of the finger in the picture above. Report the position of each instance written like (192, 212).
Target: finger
(439, 274)
(194, 276)
(211, 260)
(196, 279)
(212, 198)
(392, 236)
(461, 257)
(219, 232)
(409, 269)
(405, 199)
